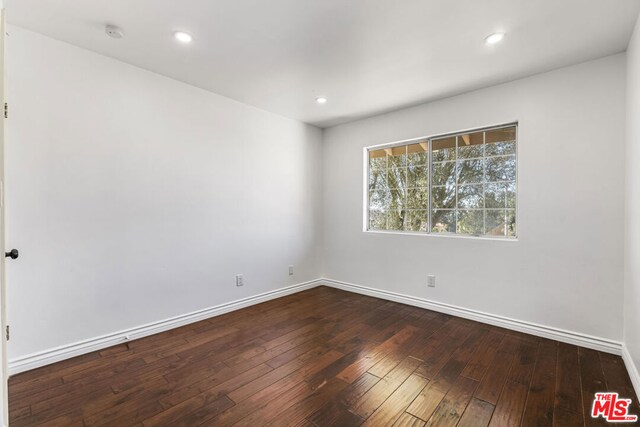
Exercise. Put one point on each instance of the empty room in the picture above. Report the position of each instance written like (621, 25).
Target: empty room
(320, 213)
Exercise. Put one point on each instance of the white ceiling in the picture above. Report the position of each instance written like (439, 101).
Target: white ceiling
(365, 56)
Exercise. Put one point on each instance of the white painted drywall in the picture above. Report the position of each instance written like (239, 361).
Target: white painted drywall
(566, 269)
(632, 234)
(134, 198)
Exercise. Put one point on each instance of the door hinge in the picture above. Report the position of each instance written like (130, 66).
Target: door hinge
(6, 110)
(7, 333)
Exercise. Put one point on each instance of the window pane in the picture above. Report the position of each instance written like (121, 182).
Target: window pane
(511, 222)
(444, 149)
(501, 168)
(511, 194)
(444, 173)
(396, 218)
(470, 171)
(500, 195)
(417, 176)
(418, 198)
(417, 220)
(377, 159)
(470, 222)
(495, 195)
(398, 198)
(397, 156)
(377, 179)
(501, 141)
(379, 199)
(444, 221)
(470, 145)
(470, 196)
(501, 148)
(418, 154)
(496, 223)
(397, 177)
(444, 197)
(501, 134)
(377, 220)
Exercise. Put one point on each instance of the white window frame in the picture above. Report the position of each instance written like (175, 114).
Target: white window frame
(429, 139)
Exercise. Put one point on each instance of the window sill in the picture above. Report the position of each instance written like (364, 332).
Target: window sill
(444, 235)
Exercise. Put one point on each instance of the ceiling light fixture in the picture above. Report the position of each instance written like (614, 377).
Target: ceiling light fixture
(494, 38)
(321, 100)
(114, 32)
(183, 37)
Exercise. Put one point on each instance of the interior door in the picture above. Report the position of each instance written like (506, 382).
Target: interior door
(4, 409)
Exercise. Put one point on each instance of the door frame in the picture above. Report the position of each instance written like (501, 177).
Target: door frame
(4, 407)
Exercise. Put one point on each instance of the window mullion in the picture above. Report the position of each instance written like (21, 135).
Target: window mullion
(386, 177)
(484, 179)
(430, 184)
(455, 188)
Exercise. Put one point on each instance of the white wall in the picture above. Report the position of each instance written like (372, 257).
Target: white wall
(566, 269)
(133, 197)
(632, 235)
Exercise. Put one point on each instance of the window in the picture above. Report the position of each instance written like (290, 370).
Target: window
(462, 184)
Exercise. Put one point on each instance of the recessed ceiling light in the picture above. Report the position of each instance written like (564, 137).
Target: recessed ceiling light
(114, 32)
(494, 38)
(183, 37)
(321, 100)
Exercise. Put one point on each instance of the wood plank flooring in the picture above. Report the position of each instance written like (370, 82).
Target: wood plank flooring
(324, 357)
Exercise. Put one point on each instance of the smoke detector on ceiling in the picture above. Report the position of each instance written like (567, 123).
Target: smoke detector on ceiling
(114, 32)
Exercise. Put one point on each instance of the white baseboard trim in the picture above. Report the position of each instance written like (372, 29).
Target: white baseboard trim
(36, 360)
(632, 369)
(583, 340)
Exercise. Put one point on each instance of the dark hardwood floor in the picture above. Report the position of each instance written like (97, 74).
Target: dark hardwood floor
(324, 357)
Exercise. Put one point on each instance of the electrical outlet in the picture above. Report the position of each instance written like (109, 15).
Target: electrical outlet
(239, 280)
(291, 270)
(431, 281)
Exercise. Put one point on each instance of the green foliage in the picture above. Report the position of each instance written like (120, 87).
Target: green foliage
(473, 187)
